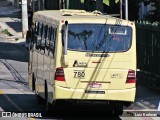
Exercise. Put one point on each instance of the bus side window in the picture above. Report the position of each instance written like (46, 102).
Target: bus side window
(47, 41)
(39, 38)
(52, 42)
(42, 47)
(35, 34)
(31, 43)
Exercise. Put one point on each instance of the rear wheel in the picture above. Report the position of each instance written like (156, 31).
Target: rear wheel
(39, 99)
(47, 104)
(109, 110)
(118, 109)
(33, 82)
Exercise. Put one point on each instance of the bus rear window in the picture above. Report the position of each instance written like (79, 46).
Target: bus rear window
(99, 37)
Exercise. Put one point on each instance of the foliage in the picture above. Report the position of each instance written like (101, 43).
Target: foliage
(107, 2)
(154, 15)
(16, 39)
(134, 6)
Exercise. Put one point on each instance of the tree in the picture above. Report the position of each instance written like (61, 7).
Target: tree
(154, 15)
(107, 2)
(133, 9)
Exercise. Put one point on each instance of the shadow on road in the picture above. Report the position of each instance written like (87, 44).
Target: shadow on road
(16, 26)
(26, 103)
(145, 99)
(13, 51)
(19, 103)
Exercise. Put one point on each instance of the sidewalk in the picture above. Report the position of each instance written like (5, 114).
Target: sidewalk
(10, 23)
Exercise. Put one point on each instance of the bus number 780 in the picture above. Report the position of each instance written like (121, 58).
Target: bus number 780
(79, 74)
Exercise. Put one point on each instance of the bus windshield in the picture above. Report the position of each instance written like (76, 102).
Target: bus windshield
(99, 37)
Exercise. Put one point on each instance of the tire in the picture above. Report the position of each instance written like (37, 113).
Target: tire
(118, 109)
(109, 110)
(39, 99)
(47, 104)
(33, 82)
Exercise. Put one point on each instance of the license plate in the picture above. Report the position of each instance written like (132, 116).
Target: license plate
(94, 92)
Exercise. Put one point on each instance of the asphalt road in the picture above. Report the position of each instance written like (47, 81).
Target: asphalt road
(16, 97)
(14, 93)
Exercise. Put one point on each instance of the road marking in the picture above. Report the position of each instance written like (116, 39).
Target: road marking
(1, 92)
(14, 104)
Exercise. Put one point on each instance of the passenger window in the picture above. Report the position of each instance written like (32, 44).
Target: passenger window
(35, 33)
(47, 43)
(52, 42)
(43, 38)
(39, 38)
(31, 38)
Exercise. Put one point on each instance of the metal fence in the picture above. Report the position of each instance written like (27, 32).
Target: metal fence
(148, 53)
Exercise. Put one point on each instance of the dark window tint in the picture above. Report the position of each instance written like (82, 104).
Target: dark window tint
(47, 43)
(44, 31)
(52, 41)
(39, 36)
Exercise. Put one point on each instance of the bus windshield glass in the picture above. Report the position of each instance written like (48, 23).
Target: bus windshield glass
(99, 37)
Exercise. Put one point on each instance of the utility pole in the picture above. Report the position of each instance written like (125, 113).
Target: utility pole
(67, 4)
(120, 3)
(24, 18)
(64, 7)
(126, 9)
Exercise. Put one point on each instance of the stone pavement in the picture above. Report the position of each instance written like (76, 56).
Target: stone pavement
(10, 23)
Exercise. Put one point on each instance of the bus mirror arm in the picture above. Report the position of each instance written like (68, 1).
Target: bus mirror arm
(66, 38)
(65, 58)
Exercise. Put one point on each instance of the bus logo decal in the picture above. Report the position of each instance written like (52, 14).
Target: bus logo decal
(79, 64)
(96, 55)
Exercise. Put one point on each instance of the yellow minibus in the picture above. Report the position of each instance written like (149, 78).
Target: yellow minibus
(83, 56)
